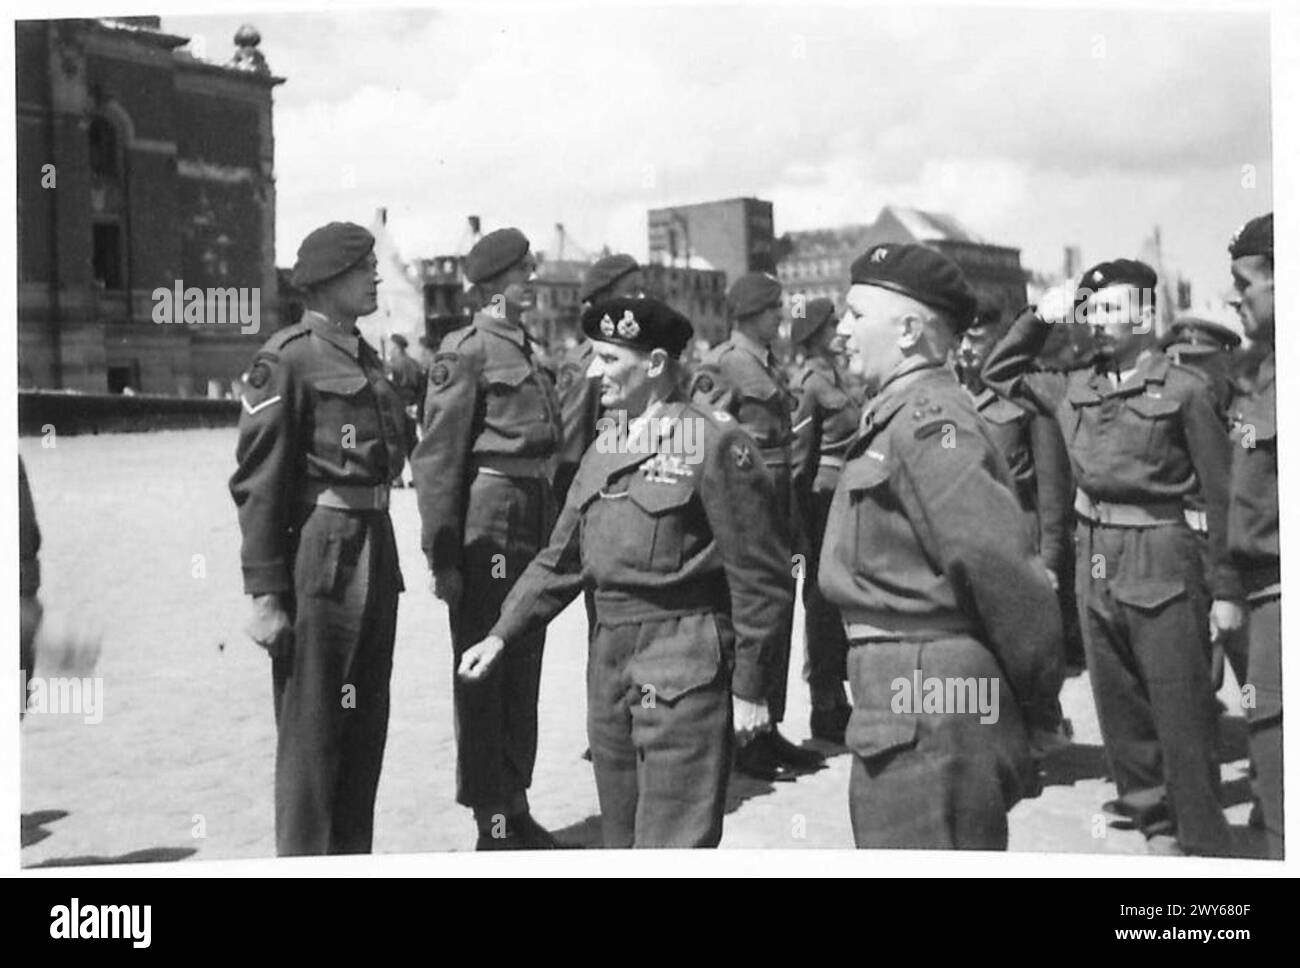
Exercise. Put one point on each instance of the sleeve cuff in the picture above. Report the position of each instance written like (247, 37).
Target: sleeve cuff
(747, 679)
(269, 578)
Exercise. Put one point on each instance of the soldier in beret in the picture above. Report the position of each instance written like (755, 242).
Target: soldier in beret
(928, 557)
(1253, 516)
(320, 439)
(609, 277)
(1143, 436)
(483, 473)
(1030, 441)
(742, 377)
(825, 423)
(671, 520)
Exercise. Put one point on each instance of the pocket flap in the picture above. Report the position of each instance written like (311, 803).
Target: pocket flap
(874, 732)
(676, 656)
(343, 386)
(657, 497)
(1149, 594)
(865, 472)
(1002, 411)
(1154, 408)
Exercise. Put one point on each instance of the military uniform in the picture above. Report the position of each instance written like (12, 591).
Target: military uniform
(29, 577)
(320, 439)
(1253, 544)
(928, 558)
(825, 423)
(691, 578)
(1030, 441)
(1138, 448)
(741, 377)
(483, 471)
(408, 380)
(579, 410)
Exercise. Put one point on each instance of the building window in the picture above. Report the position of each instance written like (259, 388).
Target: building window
(103, 147)
(107, 258)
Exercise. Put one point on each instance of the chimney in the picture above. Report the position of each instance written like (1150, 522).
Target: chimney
(475, 227)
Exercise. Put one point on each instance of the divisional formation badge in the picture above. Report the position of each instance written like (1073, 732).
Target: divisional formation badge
(742, 456)
(258, 375)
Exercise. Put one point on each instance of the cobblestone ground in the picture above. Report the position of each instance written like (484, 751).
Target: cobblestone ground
(141, 545)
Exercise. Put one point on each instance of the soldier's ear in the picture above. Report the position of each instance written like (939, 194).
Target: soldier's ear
(658, 362)
(911, 330)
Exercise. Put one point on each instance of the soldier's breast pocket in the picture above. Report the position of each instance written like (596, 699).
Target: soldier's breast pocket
(866, 481)
(344, 415)
(655, 525)
(1155, 425)
(763, 410)
(522, 402)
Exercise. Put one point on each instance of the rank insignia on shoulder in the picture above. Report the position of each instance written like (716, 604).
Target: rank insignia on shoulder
(258, 375)
(703, 384)
(742, 456)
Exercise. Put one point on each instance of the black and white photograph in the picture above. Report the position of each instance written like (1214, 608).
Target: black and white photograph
(780, 427)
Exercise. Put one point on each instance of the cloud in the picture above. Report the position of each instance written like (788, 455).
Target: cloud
(1037, 127)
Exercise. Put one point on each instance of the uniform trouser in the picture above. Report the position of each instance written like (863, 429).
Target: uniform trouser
(331, 693)
(825, 646)
(1143, 610)
(776, 665)
(1232, 646)
(659, 724)
(507, 521)
(1265, 717)
(933, 780)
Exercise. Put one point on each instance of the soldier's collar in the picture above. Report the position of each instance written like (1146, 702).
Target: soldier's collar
(493, 323)
(333, 333)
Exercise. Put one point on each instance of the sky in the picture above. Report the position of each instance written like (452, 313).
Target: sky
(1037, 127)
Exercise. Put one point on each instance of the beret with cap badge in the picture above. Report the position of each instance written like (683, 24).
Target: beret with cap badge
(329, 251)
(918, 271)
(1253, 238)
(639, 322)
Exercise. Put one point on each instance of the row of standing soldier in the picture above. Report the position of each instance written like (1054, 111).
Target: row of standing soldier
(938, 556)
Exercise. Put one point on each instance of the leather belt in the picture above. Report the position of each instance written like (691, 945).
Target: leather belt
(347, 497)
(503, 465)
(827, 460)
(622, 607)
(1129, 515)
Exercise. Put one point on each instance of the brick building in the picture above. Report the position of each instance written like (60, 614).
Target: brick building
(140, 167)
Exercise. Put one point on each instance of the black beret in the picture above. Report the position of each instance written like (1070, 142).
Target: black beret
(640, 322)
(329, 251)
(816, 314)
(752, 293)
(1253, 238)
(924, 274)
(400, 340)
(1194, 334)
(495, 253)
(604, 273)
(1118, 272)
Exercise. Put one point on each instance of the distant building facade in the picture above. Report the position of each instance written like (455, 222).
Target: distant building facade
(734, 236)
(140, 168)
(698, 294)
(817, 262)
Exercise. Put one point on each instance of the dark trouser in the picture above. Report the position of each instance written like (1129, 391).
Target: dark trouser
(1145, 624)
(1232, 646)
(659, 724)
(331, 694)
(776, 665)
(825, 647)
(934, 780)
(507, 522)
(1265, 717)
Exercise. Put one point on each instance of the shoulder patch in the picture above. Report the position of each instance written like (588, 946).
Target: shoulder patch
(703, 383)
(741, 455)
(287, 335)
(440, 371)
(259, 374)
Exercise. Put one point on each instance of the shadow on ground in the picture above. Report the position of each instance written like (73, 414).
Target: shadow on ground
(150, 855)
(33, 825)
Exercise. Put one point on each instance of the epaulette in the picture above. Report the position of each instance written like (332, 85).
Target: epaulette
(282, 337)
(926, 416)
